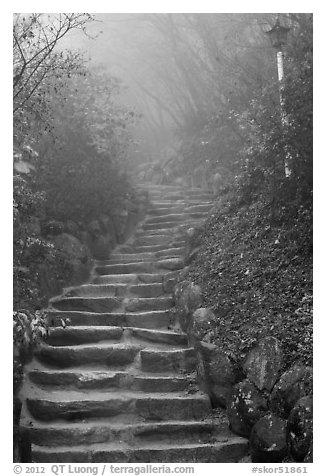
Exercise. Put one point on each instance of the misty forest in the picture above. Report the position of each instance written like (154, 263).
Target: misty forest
(162, 236)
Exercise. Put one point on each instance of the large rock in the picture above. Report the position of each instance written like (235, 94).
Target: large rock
(72, 228)
(295, 383)
(52, 227)
(188, 298)
(263, 363)
(202, 321)
(300, 428)
(245, 407)
(216, 373)
(268, 440)
(71, 248)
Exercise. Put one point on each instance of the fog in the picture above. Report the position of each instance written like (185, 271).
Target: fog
(178, 70)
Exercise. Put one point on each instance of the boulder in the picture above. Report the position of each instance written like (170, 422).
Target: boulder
(300, 428)
(202, 321)
(101, 246)
(246, 406)
(215, 373)
(263, 363)
(309, 456)
(34, 226)
(188, 298)
(72, 228)
(94, 229)
(295, 383)
(71, 248)
(268, 440)
(106, 224)
(169, 282)
(52, 227)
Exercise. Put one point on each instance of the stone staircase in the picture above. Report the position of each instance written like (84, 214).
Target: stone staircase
(115, 379)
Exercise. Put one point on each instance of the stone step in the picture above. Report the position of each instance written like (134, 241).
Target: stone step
(117, 290)
(148, 406)
(145, 233)
(204, 208)
(150, 240)
(104, 354)
(161, 211)
(59, 336)
(169, 217)
(136, 434)
(225, 452)
(132, 278)
(194, 202)
(148, 320)
(172, 252)
(74, 335)
(198, 195)
(107, 380)
(125, 268)
(170, 264)
(145, 248)
(164, 203)
(148, 304)
(105, 305)
(91, 304)
(183, 360)
(163, 226)
(124, 256)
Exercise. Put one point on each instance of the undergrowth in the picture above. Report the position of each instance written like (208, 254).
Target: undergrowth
(255, 270)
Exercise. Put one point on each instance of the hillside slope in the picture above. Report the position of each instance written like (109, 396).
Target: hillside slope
(255, 269)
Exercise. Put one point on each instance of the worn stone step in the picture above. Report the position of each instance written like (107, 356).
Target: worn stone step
(148, 248)
(150, 240)
(169, 217)
(164, 210)
(204, 208)
(107, 380)
(124, 256)
(148, 406)
(163, 226)
(148, 304)
(194, 202)
(59, 336)
(117, 290)
(128, 304)
(127, 260)
(167, 203)
(226, 452)
(132, 278)
(170, 264)
(168, 361)
(125, 268)
(141, 233)
(104, 354)
(75, 335)
(91, 304)
(147, 319)
(171, 252)
(136, 434)
(198, 195)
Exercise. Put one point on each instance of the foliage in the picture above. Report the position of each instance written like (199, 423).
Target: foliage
(38, 64)
(84, 172)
